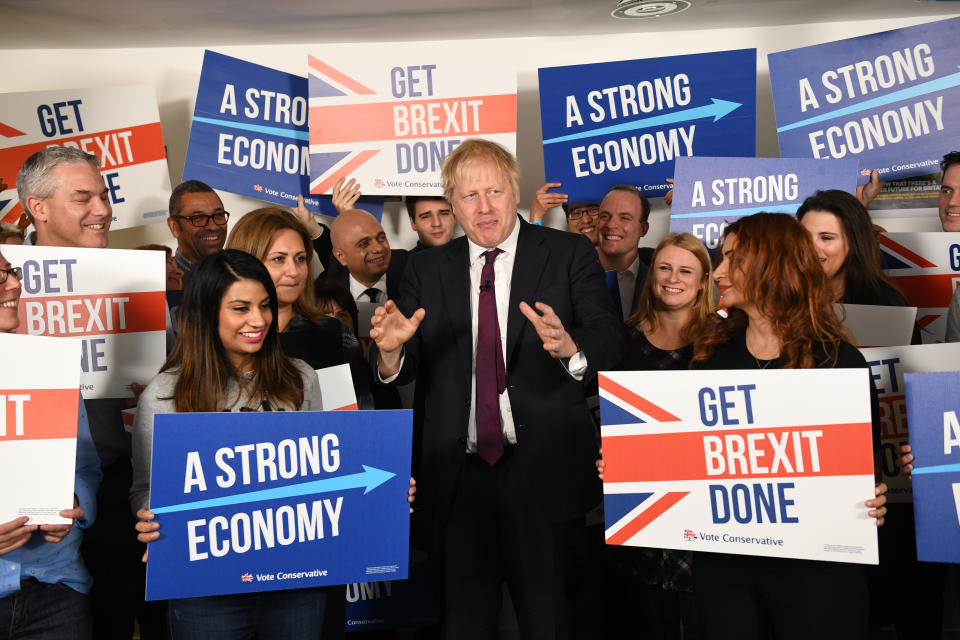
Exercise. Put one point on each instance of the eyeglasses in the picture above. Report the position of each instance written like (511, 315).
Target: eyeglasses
(576, 214)
(201, 219)
(16, 272)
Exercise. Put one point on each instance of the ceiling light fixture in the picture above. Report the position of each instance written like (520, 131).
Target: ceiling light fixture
(642, 9)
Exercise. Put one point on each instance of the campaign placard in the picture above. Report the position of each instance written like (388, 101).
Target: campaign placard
(626, 122)
(120, 125)
(114, 300)
(887, 368)
(259, 501)
(710, 193)
(389, 114)
(890, 100)
(249, 135)
(744, 462)
(932, 409)
(38, 427)
(926, 267)
(872, 325)
(337, 385)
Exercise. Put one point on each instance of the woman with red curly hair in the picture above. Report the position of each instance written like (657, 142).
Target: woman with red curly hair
(780, 316)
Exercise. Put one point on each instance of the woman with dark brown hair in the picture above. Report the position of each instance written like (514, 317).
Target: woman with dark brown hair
(780, 316)
(281, 242)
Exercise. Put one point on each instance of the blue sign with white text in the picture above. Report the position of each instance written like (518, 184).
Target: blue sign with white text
(890, 100)
(710, 193)
(933, 413)
(626, 122)
(258, 501)
(250, 136)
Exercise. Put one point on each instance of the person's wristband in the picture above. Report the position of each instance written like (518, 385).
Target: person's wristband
(539, 223)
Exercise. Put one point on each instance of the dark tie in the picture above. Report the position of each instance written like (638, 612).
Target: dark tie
(372, 293)
(491, 378)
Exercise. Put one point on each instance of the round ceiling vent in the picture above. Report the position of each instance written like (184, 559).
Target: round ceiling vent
(639, 9)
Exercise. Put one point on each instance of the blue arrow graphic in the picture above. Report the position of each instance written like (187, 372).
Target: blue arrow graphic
(776, 208)
(946, 82)
(938, 468)
(716, 110)
(293, 134)
(371, 478)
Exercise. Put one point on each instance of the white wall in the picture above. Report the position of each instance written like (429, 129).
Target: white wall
(175, 72)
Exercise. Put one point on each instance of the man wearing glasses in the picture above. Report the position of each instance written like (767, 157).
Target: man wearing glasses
(581, 216)
(198, 222)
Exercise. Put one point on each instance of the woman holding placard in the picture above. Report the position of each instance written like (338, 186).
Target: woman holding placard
(652, 588)
(279, 240)
(780, 316)
(228, 358)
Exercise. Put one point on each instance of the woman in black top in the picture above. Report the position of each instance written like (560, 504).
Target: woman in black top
(279, 240)
(652, 589)
(780, 316)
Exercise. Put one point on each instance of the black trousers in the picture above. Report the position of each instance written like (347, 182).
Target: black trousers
(747, 598)
(497, 533)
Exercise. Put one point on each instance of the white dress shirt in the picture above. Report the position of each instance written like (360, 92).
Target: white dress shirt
(357, 289)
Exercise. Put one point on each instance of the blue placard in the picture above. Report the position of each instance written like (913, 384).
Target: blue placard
(249, 135)
(262, 501)
(712, 192)
(889, 99)
(625, 122)
(933, 413)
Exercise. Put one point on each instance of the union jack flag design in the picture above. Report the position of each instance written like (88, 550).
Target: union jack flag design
(619, 405)
(897, 256)
(10, 208)
(689, 535)
(325, 82)
(626, 514)
(246, 577)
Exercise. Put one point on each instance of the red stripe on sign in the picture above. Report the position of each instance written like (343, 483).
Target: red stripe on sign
(13, 216)
(38, 414)
(349, 407)
(9, 132)
(802, 451)
(344, 171)
(93, 315)
(915, 258)
(927, 319)
(412, 120)
(322, 67)
(652, 513)
(927, 290)
(115, 149)
(644, 405)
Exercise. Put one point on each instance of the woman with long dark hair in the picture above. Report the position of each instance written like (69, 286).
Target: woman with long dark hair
(228, 358)
(281, 242)
(780, 316)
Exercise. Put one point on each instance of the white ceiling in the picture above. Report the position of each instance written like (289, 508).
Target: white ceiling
(52, 24)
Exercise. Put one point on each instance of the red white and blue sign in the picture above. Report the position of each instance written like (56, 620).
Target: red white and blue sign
(389, 114)
(740, 462)
(627, 122)
(926, 268)
(890, 100)
(249, 135)
(710, 193)
(933, 410)
(254, 501)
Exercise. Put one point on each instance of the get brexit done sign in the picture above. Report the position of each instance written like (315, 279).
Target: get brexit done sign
(114, 300)
(389, 114)
(710, 193)
(934, 413)
(887, 368)
(746, 462)
(626, 122)
(890, 100)
(254, 501)
(38, 427)
(119, 125)
(926, 268)
(249, 135)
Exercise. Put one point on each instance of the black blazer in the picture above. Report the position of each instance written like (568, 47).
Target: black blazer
(556, 438)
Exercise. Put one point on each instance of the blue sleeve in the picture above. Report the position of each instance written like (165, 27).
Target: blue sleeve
(87, 475)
